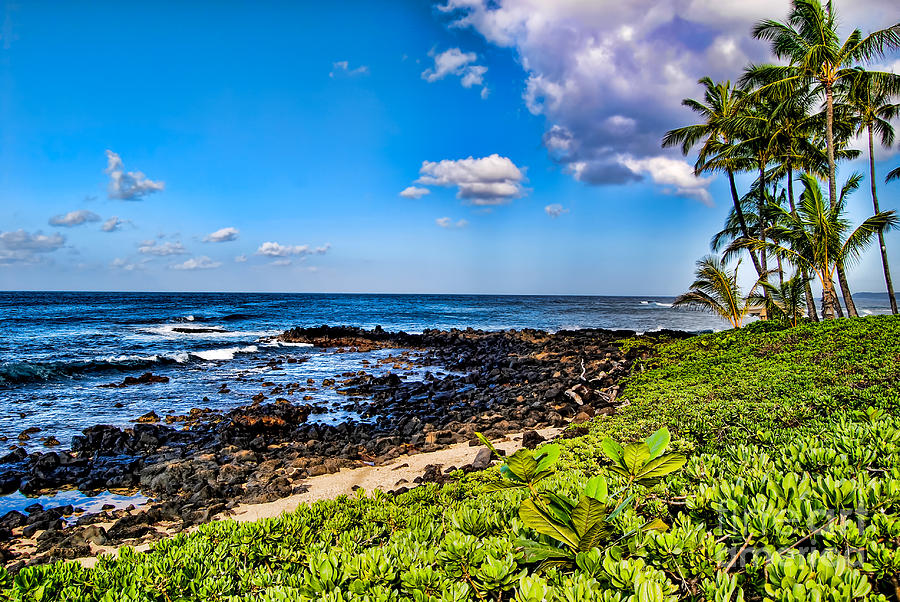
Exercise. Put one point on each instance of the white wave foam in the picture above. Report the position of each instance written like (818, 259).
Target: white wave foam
(213, 355)
(189, 318)
(286, 344)
(662, 304)
(180, 357)
(645, 303)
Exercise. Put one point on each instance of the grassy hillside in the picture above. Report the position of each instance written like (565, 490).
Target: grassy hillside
(790, 491)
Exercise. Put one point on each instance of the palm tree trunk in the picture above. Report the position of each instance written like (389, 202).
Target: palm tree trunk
(835, 301)
(881, 245)
(763, 260)
(810, 300)
(845, 291)
(829, 144)
(828, 297)
(743, 222)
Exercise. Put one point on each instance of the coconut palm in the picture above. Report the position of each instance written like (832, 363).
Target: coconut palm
(788, 299)
(818, 236)
(720, 105)
(869, 103)
(716, 290)
(817, 58)
(892, 175)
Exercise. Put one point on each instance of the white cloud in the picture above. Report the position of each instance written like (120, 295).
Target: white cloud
(343, 68)
(197, 263)
(492, 180)
(274, 249)
(222, 235)
(458, 63)
(74, 218)
(122, 264)
(555, 210)
(19, 246)
(151, 247)
(113, 224)
(675, 176)
(609, 76)
(414, 192)
(240, 259)
(128, 185)
(281, 263)
(446, 222)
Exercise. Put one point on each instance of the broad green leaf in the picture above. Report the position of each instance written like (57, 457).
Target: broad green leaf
(612, 450)
(635, 456)
(548, 456)
(558, 502)
(657, 525)
(660, 467)
(523, 465)
(535, 518)
(586, 514)
(536, 552)
(506, 472)
(596, 535)
(597, 488)
(658, 442)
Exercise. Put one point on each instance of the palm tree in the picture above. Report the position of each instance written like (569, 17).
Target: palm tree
(869, 101)
(716, 290)
(720, 106)
(817, 58)
(788, 300)
(892, 175)
(818, 236)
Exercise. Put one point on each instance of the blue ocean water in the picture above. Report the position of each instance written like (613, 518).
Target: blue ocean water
(57, 348)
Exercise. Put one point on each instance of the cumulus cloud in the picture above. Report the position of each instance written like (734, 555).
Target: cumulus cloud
(446, 222)
(555, 210)
(19, 246)
(675, 177)
(274, 249)
(73, 218)
(197, 263)
(414, 192)
(113, 224)
(609, 76)
(222, 235)
(492, 180)
(128, 185)
(151, 247)
(343, 68)
(457, 63)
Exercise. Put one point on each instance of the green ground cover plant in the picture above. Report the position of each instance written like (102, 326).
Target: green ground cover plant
(759, 464)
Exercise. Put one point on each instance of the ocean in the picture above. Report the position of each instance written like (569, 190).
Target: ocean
(56, 349)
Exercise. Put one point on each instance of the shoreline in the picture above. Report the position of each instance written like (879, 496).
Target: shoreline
(498, 383)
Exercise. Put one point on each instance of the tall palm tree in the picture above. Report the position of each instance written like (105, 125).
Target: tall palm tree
(716, 290)
(892, 175)
(719, 108)
(869, 101)
(817, 58)
(818, 237)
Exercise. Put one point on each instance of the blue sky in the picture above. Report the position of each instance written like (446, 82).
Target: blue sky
(299, 124)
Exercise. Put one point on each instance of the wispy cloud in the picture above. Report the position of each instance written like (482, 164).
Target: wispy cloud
(197, 263)
(343, 68)
(274, 249)
(128, 185)
(73, 218)
(446, 222)
(491, 180)
(555, 210)
(151, 247)
(113, 224)
(123, 264)
(222, 235)
(240, 259)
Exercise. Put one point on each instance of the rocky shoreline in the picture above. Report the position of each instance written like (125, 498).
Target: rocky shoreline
(203, 464)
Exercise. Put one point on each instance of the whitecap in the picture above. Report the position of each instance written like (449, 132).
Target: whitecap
(228, 353)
